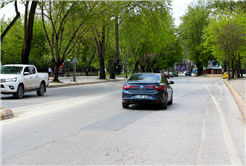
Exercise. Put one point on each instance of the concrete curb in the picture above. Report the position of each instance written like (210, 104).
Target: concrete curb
(82, 83)
(6, 113)
(240, 102)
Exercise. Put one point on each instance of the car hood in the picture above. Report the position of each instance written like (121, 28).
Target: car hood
(2, 76)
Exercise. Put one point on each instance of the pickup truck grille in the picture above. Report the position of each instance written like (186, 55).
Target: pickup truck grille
(2, 80)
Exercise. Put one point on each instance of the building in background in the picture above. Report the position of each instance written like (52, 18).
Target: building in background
(213, 67)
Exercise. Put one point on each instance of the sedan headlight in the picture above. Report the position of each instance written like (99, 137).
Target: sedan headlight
(9, 80)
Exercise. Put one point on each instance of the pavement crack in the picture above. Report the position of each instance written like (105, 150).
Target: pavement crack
(203, 138)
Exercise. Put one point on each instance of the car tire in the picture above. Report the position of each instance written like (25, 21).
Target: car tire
(41, 90)
(19, 93)
(164, 105)
(125, 105)
(171, 102)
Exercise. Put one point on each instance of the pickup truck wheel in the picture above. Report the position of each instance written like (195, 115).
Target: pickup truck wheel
(41, 90)
(19, 93)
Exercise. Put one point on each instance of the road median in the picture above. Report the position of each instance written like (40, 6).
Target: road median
(82, 82)
(6, 113)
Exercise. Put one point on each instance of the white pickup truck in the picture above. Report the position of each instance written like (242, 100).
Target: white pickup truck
(16, 79)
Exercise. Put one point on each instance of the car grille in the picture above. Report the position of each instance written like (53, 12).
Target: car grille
(2, 80)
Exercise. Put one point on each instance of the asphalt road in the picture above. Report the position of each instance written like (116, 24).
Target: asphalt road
(86, 125)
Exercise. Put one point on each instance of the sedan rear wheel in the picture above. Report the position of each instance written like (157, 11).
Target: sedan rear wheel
(19, 93)
(125, 105)
(164, 105)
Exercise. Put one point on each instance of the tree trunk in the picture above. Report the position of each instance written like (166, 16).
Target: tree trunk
(233, 70)
(200, 69)
(229, 71)
(136, 67)
(29, 34)
(239, 68)
(116, 56)
(225, 66)
(92, 57)
(100, 49)
(102, 69)
(148, 65)
(55, 73)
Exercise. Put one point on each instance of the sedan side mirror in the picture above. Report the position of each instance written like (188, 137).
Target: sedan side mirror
(171, 82)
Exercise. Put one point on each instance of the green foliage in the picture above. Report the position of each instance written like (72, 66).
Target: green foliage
(191, 32)
(220, 6)
(12, 45)
(226, 37)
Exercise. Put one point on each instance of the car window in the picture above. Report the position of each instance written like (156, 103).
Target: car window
(11, 70)
(27, 70)
(32, 70)
(145, 77)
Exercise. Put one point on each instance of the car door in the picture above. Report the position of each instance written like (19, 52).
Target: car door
(27, 79)
(34, 78)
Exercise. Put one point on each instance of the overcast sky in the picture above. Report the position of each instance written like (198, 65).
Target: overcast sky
(179, 8)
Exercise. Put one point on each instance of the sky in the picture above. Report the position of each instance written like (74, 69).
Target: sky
(179, 9)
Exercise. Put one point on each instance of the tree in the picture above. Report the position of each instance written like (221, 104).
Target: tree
(220, 6)
(191, 32)
(60, 17)
(13, 21)
(28, 31)
(141, 6)
(13, 39)
(226, 38)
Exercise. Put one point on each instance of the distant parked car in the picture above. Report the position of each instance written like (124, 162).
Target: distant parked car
(175, 73)
(166, 74)
(147, 88)
(225, 75)
(171, 74)
(187, 73)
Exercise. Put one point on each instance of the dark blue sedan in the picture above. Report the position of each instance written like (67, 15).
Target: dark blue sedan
(147, 88)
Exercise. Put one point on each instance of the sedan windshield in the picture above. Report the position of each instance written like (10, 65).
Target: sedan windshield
(144, 77)
(11, 70)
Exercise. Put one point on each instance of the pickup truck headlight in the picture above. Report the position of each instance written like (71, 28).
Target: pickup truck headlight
(9, 80)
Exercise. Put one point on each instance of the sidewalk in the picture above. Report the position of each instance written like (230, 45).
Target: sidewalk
(80, 80)
(238, 90)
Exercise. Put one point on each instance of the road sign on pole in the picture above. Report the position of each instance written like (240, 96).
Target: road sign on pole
(75, 60)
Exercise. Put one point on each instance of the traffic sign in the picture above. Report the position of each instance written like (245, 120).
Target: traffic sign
(75, 60)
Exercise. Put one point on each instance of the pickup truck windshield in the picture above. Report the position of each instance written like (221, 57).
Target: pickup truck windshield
(11, 70)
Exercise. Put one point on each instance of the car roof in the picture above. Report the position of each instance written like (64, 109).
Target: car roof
(149, 73)
(22, 65)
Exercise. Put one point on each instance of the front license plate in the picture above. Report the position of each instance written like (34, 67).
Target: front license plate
(141, 96)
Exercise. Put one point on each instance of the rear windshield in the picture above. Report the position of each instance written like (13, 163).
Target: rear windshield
(145, 77)
(11, 70)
